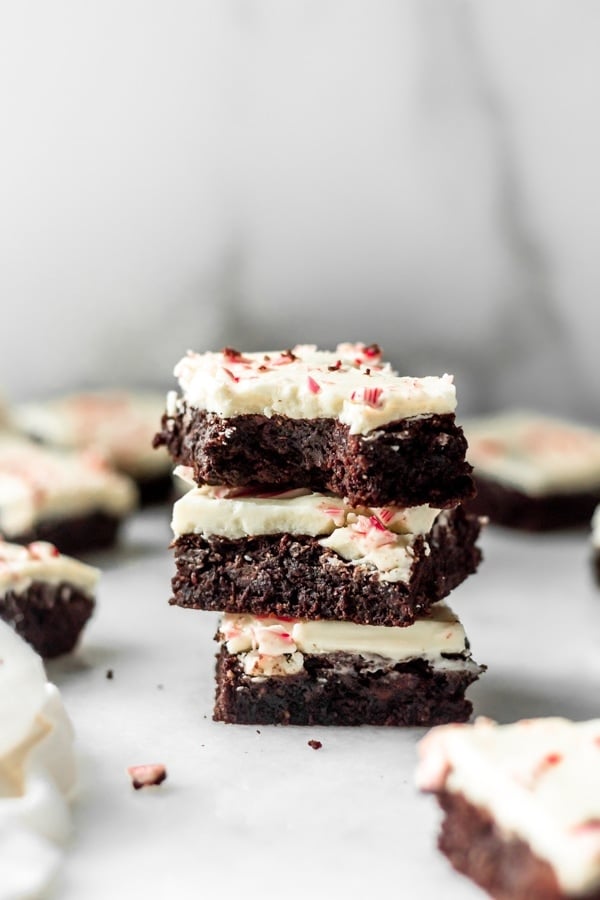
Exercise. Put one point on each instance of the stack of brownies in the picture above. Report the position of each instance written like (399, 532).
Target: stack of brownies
(325, 525)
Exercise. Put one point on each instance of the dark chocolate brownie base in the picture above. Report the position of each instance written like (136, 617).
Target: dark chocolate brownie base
(407, 463)
(293, 575)
(506, 868)
(514, 509)
(156, 490)
(79, 534)
(340, 689)
(50, 617)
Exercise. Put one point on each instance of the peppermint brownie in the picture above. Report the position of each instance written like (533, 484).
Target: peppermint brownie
(339, 421)
(521, 803)
(117, 424)
(71, 499)
(534, 472)
(310, 555)
(46, 597)
(300, 672)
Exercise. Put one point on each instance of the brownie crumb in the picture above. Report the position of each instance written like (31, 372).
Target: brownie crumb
(110, 674)
(148, 775)
(316, 745)
(258, 731)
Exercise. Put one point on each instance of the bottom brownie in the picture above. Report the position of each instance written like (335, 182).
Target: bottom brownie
(505, 867)
(506, 506)
(48, 616)
(76, 534)
(344, 689)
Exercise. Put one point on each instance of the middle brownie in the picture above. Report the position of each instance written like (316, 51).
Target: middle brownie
(309, 555)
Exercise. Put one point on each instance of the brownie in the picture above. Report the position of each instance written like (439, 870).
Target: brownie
(75, 534)
(420, 459)
(294, 575)
(343, 689)
(511, 508)
(69, 498)
(533, 472)
(522, 804)
(503, 866)
(117, 424)
(48, 616)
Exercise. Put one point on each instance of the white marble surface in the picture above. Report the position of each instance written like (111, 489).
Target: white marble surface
(263, 815)
(267, 172)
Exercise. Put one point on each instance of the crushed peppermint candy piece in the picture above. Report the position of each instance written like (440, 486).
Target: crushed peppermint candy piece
(148, 775)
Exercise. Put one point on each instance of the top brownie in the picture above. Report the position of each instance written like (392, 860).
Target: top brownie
(339, 421)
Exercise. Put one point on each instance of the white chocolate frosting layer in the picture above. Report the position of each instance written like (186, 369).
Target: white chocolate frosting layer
(41, 561)
(38, 483)
(118, 424)
(276, 646)
(381, 538)
(538, 778)
(37, 771)
(533, 453)
(351, 384)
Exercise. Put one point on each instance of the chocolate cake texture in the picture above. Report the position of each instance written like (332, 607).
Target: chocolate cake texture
(406, 463)
(343, 689)
(50, 617)
(294, 575)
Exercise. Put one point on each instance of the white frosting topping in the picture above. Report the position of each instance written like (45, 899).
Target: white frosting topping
(37, 483)
(538, 778)
(118, 424)
(595, 526)
(41, 561)
(276, 646)
(351, 384)
(381, 538)
(37, 771)
(534, 453)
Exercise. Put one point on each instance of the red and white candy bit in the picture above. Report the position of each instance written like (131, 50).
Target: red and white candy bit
(42, 550)
(370, 529)
(384, 514)
(370, 396)
(231, 355)
(313, 386)
(230, 374)
(272, 639)
(148, 775)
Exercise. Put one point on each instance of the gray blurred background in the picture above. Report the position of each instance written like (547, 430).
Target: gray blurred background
(258, 173)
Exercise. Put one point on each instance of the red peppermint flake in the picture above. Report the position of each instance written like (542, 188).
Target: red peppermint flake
(234, 356)
(371, 396)
(286, 356)
(313, 386)
(149, 775)
(41, 550)
(230, 374)
(385, 515)
(375, 523)
(373, 351)
(368, 396)
(547, 762)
